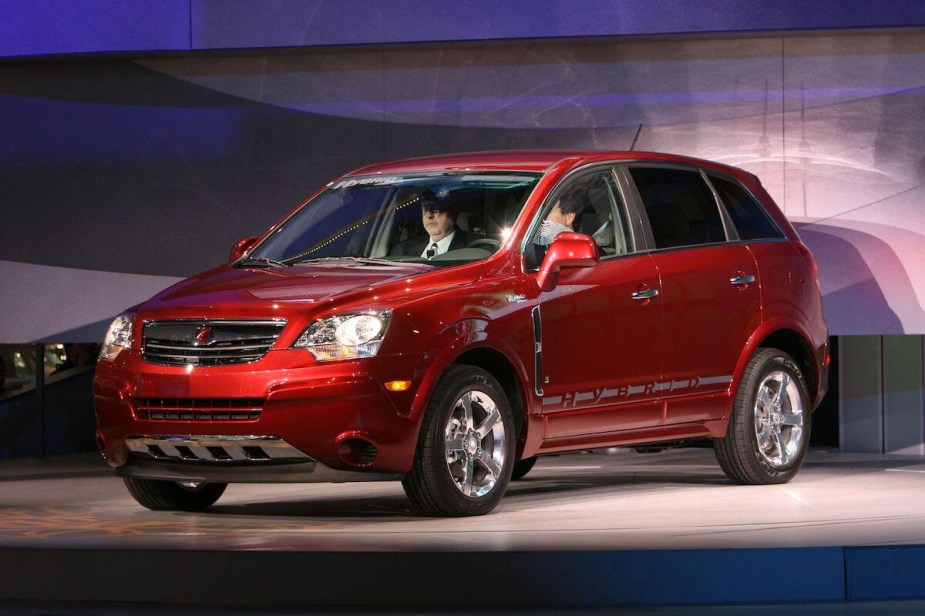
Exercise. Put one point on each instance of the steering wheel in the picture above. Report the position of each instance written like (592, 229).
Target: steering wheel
(485, 243)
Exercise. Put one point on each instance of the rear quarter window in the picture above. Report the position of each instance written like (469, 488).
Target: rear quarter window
(750, 219)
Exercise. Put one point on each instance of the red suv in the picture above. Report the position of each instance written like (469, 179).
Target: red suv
(446, 320)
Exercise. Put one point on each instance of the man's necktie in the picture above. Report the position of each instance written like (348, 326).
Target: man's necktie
(432, 251)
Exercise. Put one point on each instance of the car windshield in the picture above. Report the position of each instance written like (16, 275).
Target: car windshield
(383, 217)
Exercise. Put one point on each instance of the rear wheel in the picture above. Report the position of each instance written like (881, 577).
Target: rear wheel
(465, 453)
(768, 432)
(160, 495)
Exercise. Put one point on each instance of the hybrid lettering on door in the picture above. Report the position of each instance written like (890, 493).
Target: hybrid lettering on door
(598, 397)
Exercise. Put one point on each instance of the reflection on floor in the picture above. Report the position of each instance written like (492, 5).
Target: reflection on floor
(672, 500)
(581, 531)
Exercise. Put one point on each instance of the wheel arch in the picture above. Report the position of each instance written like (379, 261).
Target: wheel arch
(784, 335)
(499, 366)
(467, 342)
(798, 347)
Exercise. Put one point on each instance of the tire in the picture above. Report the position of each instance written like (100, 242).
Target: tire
(768, 433)
(465, 451)
(522, 467)
(159, 495)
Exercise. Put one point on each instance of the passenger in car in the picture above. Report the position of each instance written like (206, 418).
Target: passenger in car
(565, 216)
(442, 233)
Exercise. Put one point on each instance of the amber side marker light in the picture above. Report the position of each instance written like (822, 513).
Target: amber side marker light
(398, 385)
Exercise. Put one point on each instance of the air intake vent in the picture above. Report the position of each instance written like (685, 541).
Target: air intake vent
(208, 342)
(198, 409)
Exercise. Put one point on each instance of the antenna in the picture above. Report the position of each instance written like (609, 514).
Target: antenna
(635, 137)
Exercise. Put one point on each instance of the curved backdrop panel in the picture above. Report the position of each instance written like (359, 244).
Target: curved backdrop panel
(118, 176)
(48, 27)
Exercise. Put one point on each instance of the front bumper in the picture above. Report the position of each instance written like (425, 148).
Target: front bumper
(334, 415)
(230, 459)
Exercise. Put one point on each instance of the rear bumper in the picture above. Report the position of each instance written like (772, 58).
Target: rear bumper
(823, 386)
(823, 359)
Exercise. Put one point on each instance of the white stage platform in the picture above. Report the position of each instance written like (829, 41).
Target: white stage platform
(582, 530)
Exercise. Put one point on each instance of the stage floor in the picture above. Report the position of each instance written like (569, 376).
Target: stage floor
(580, 531)
(671, 500)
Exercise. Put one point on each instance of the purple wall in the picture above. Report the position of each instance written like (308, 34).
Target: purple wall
(120, 175)
(49, 27)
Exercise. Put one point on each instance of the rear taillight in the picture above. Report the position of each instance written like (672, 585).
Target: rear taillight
(808, 257)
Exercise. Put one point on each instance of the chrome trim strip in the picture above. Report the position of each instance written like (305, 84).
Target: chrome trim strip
(715, 380)
(537, 351)
(268, 322)
(227, 347)
(195, 358)
(202, 448)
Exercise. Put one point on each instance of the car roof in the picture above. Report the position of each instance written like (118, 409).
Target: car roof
(534, 161)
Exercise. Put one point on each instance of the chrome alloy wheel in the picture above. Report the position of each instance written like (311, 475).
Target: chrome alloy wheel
(475, 443)
(779, 419)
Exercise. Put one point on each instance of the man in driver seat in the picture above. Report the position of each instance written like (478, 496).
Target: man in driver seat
(442, 233)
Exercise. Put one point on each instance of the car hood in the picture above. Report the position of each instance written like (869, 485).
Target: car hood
(281, 285)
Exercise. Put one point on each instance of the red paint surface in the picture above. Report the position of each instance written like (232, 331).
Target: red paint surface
(604, 354)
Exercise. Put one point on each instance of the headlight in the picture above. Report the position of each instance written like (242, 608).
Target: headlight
(345, 336)
(118, 337)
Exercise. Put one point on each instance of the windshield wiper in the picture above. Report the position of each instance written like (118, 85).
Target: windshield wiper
(261, 262)
(362, 260)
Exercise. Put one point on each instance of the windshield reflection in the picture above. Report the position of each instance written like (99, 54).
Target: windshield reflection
(439, 219)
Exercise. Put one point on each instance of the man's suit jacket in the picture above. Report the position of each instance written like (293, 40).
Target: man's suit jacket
(416, 245)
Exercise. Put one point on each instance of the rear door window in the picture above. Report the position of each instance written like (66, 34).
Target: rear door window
(679, 205)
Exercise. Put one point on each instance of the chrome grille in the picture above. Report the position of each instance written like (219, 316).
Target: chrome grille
(198, 409)
(206, 342)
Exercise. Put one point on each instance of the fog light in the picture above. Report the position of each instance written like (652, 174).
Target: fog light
(357, 451)
(398, 385)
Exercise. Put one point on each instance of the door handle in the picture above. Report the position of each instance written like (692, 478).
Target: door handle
(742, 279)
(646, 294)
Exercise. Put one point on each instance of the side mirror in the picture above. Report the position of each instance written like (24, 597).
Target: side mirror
(568, 250)
(241, 247)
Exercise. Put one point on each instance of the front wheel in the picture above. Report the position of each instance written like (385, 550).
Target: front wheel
(465, 452)
(159, 495)
(768, 432)
(522, 467)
